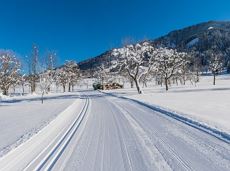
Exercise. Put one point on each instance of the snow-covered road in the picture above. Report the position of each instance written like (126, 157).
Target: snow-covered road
(112, 133)
(118, 134)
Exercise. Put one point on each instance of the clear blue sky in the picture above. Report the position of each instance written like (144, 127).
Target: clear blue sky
(79, 29)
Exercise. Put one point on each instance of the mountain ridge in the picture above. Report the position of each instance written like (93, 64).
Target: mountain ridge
(199, 37)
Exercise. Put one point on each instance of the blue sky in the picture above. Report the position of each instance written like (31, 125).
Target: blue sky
(80, 29)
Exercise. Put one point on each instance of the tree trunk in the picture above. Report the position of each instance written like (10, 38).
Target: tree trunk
(69, 87)
(137, 86)
(23, 90)
(5, 92)
(166, 84)
(33, 87)
(42, 97)
(63, 88)
(144, 84)
(184, 79)
(214, 78)
(102, 83)
(197, 76)
(131, 83)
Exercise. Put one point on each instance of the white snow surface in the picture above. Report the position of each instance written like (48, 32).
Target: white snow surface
(205, 103)
(117, 134)
(23, 116)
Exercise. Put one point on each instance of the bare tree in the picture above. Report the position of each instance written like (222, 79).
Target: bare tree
(51, 61)
(33, 68)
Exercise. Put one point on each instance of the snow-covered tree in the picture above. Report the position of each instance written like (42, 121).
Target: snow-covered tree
(73, 71)
(9, 70)
(167, 63)
(68, 74)
(22, 82)
(196, 60)
(183, 72)
(50, 64)
(61, 78)
(46, 78)
(132, 60)
(44, 84)
(102, 74)
(215, 64)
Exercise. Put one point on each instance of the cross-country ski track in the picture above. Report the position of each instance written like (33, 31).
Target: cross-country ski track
(102, 132)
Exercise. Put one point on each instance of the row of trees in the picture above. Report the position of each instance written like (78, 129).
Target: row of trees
(138, 61)
(42, 72)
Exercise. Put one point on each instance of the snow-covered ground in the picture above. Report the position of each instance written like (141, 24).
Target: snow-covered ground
(119, 134)
(102, 132)
(23, 116)
(205, 103)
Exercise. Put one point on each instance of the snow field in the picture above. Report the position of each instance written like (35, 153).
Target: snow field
(23, 116)
(20, 156)
(204, 102)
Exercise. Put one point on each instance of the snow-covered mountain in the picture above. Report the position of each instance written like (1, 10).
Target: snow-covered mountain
(200, 37)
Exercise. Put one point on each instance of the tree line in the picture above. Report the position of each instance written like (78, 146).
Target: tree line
(138, 63)
(42, 72)
(142, 61)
